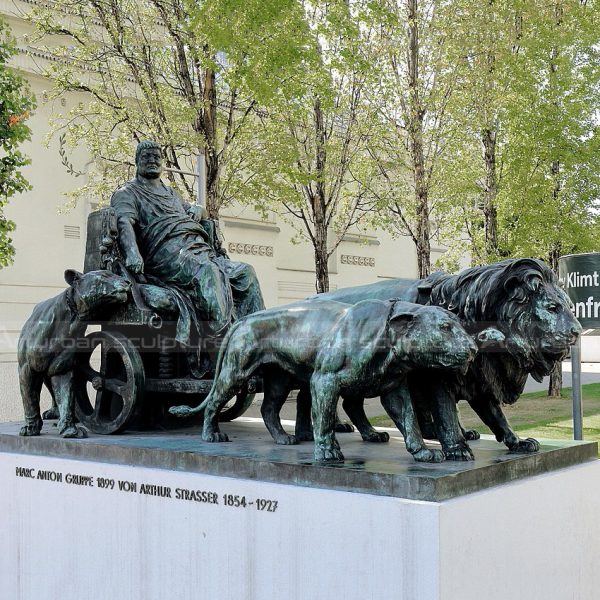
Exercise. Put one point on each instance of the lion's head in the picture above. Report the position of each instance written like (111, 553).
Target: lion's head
(431, 337)
(522, 299)
(96, 291)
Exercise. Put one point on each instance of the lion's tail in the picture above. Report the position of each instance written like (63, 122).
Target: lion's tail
(184, 411)
(187, 411)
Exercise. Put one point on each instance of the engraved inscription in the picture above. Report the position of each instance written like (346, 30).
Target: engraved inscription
(50, 476)
(22, 472)
(196, 496)
(162, 491)
(268, 505)
(128, 486)
(84, 480)
(149, 489)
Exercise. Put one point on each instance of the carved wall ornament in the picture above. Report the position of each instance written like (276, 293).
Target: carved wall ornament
(253, 249)
(361, 261)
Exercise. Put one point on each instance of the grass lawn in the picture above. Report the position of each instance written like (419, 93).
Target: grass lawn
(536, 415)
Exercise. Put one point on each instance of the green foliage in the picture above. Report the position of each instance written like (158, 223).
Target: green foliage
(268, 41)
(311, 145)
(530, 76)
(314, 115)
(189, 75)
(416, 80)
(16, 103)
(553, 148)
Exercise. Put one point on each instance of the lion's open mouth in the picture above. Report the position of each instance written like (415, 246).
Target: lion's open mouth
(555, 355)
(544, 363)
(459, 362)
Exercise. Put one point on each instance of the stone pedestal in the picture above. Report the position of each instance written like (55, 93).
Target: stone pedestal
(159, 516)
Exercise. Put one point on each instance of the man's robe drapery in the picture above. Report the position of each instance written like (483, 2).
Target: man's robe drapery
(178, 255)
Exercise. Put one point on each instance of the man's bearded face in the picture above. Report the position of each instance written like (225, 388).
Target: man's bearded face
(150, 163)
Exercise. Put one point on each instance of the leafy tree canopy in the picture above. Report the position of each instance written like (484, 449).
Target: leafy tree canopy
(16, 103)
(189, 75)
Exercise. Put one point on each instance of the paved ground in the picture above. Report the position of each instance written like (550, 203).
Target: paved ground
(590, 373)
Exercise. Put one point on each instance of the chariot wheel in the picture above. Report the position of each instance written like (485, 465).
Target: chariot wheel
(108, 388)
(236, 406)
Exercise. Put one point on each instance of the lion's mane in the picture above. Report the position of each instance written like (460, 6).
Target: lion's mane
(492, 293)
(498, 295)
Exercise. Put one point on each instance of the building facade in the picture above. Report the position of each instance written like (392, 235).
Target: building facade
(50, 238)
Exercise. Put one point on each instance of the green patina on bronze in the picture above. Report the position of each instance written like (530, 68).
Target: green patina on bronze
(166, 239)
(47, 348)
(178, 294)
(483, 332)
(521, 299)
(353, 351)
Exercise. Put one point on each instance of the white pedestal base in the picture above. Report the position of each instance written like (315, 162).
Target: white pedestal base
(537, 538)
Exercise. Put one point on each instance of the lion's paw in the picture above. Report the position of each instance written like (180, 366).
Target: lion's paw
(330, 454)
(73, 431)
(528, 445)
(429, 455)
(215, 436)
(471, 435)
(344, 427)
(377, 437)
(287, 440)
(30, 430)
(461, 452)
(51, 414)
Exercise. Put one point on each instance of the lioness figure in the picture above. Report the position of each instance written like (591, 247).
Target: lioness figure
(363, 350)
(490, 339)
(48, 341)
(519, 297)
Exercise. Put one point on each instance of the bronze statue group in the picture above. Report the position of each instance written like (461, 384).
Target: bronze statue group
(420, 346)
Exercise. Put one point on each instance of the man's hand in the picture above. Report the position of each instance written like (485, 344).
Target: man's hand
(134, 263)
(197, 212)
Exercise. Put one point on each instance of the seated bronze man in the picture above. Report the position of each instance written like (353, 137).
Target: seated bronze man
(164, 238)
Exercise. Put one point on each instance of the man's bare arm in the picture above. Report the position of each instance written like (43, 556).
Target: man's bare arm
(133, 259)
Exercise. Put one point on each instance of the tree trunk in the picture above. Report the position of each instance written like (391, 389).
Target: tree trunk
(210, 144)
(415, 120)
(555, 383)
(321, 264)
(490, 193)
(319, 208)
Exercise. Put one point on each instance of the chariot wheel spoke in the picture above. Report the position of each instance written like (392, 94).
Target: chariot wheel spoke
(120, 378)
(104, 359)
(88, 372)
(101, 404)
(117, 386)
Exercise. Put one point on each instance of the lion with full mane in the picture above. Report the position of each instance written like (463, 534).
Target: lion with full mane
(520, 298)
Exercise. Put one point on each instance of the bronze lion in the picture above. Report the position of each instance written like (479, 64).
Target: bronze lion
(48, 343)
(356, 351)
(519, 297)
